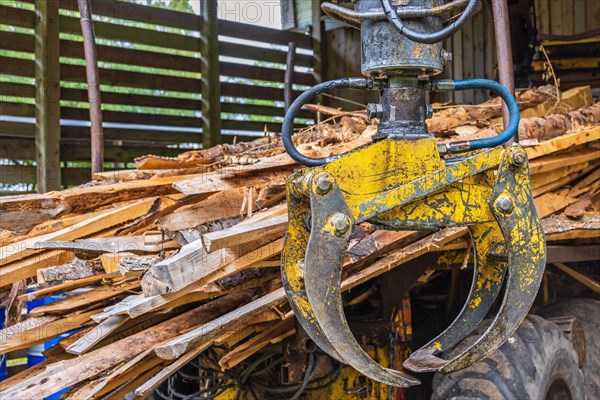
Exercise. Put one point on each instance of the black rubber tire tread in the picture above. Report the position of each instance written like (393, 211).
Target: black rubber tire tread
(587, 311)
(521, 369)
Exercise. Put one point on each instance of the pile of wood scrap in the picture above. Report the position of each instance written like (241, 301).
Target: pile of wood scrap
(162, 263)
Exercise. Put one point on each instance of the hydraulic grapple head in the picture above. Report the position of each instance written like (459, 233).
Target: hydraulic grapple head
(401, 181)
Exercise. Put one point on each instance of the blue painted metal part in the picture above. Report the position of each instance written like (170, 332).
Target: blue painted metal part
(513, 124)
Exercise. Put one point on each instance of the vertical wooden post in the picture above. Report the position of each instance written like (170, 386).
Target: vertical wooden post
(93, 80)
(211, 85)
(47, 84)
(317, 37)
(288, 92)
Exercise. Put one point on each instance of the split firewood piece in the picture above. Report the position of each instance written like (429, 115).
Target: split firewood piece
(167, 206)
(62, 287)
(14, 303)
(33, 371)
(28, 267)
(334, 111)
(94, 247)
(37, 330)
(586, 183)
(78, 200)
(217, 182)
(559, 161)
(568, 171)
(560, 182)
(556, 124)
(534, 130)
(179, 271)
(84, 300)
(209, 332)
(94, 336)
(551, 203)
(452, 116)
(277, 161)
(274, 334)
(155, 381)
(560, 227)
(134, 265)
(139, 378)
(107, 219)
(564, 142)
(194, 264)
(201, 157)
(73, 270)
(222, 205)
(63, 374)
(138, 305)
(240, 234)
(22, 222)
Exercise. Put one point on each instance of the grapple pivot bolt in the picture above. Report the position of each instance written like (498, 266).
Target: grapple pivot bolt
(518, 158)
(504, 204)
(324, 184)
(341, 223)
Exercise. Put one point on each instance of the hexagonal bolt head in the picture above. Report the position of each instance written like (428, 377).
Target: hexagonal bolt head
(375, 110)
(324, 184)
(429, 112)
(341, 223)
(446, 56)
(504, 204)
(518, 158)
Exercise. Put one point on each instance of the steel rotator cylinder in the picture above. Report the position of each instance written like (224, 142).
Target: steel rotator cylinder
(386, 52)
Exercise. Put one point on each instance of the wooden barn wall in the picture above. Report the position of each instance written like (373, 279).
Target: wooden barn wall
(567, 17)
(473, 47)
(473, 51)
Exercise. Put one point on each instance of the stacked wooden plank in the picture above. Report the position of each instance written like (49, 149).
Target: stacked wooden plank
(182, 254)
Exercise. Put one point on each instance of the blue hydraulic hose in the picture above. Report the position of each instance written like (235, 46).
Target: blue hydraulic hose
(428, 37)
(287, 130)
(513, 124)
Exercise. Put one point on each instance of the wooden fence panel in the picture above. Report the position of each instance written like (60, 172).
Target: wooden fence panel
(150, 65)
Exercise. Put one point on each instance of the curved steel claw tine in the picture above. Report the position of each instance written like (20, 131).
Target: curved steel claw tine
(292, 270)
(331, 228)
(489, 270)
(514, 210)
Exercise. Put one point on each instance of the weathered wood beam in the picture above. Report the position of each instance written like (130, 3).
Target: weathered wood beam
(210, 71)
(47, 93)
(579, 277)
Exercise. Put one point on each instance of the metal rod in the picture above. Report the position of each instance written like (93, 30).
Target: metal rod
(354, 18)
(289, 75)
(93, 81)
(504, 55)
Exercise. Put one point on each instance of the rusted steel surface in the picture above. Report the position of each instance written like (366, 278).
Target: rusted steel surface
(504, 52)
(93, 81)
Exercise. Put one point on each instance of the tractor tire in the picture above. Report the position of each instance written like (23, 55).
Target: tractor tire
(537, 363)
(587, 311)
